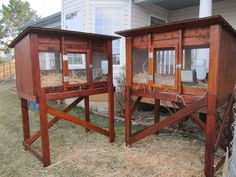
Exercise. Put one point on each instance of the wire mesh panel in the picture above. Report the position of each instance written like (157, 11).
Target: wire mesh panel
(165, 61)
(140, 66)
(77, 68)
(195, 67)
(50, 69)
(100, 67)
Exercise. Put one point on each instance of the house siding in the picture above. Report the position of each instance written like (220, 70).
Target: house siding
(70, 6)
(225, 8)
(140, 15)
(88, 6)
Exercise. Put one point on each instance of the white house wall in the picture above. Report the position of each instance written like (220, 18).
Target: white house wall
(226, 8)
(140, 15)
(70, 6)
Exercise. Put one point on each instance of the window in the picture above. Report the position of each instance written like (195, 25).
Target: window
(165, 67)
(50, 69)
(76, 61)
(196, 65)
(156, 20)
(107, 21)
(74, 21)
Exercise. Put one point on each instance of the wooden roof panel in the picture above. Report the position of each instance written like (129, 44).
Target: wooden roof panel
(173, 26)
(52, 31)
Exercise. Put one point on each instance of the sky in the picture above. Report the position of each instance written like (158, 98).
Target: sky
(43, 7)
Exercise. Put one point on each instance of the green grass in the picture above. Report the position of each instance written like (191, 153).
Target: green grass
(76, 153)
(1, 62)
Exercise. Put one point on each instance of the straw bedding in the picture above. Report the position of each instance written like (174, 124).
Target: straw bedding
(51, 80)
(142, 77)
(168, 80)
(55, 79)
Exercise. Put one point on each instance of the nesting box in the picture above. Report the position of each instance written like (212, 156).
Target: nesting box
(54, 64)
(191, 64)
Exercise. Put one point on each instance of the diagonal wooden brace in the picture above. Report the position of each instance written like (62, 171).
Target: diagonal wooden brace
(194, 118)
(139, 98)
(36, 135)
(225, 120)
(199, 104)
(75, 120)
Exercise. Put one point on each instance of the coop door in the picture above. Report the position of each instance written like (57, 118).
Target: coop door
(77, 68)
(165, 68)
(100, 67)
(50, 69)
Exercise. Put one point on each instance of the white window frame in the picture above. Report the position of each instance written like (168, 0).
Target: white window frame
(122, 25)
(151, 15)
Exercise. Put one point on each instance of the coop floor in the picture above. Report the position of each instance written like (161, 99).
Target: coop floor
(77, 153)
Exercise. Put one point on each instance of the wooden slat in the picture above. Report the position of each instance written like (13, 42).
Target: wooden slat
(35, 136)
(75, 120)
(135, 105)
(33, 151)
(170, 120)
(165, 96)
(75, 93)
(225, 120)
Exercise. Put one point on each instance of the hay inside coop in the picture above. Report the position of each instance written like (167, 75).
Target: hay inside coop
(165, 71)
(50, 69)
(140, 66)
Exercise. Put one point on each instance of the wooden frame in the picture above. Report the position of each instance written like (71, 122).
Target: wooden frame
(27, 47)
(214, 32)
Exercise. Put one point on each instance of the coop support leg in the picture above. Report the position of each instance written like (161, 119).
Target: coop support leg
(128, 123)
(86, 110)
(210, 136)
(44, 130)
(157, 112)
(25, 119)
(111, 112)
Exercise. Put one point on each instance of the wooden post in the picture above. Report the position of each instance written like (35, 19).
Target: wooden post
(128, 123)
(215, 35)
(110, 92)
(89, 62)
(111, 112)
(86, 110)
(157, 112)
(44, 130)
(64, 60)
(25, 119)
(129, 69)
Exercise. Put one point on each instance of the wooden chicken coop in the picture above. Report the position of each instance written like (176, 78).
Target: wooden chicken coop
(190, 63)
(54, 64)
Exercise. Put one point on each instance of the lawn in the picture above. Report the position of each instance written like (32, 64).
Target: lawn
(77, 153)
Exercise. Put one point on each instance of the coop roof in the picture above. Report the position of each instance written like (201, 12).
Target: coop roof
(52, 31)
(191, 23)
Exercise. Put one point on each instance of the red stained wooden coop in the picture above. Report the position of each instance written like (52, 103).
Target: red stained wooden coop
(54, 64)
(191, 64)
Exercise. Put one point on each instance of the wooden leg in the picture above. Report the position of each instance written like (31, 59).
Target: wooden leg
(128, 123)
(157, 112)
(25, 119)
(210, 136)
(44, 130)
(111, 112)
(86, 110)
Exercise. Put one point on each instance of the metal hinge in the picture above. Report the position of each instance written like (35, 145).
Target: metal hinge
(178, 66)
(65, 58)
(150, 55)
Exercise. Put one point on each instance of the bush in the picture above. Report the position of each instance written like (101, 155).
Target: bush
(120, 94)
